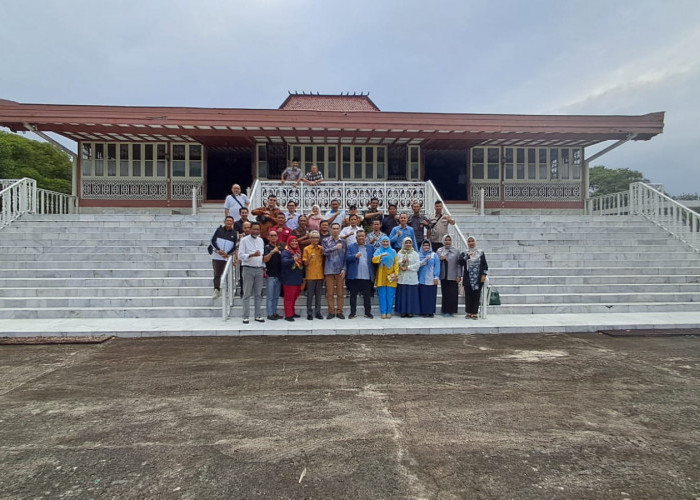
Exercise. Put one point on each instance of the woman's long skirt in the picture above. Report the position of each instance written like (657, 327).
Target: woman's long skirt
(291, 293)
(427, 295)
(407, 301)
(450, 296)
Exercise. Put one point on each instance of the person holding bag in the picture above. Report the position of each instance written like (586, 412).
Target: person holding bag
(386, 276)
(223, 245)
(475, 270)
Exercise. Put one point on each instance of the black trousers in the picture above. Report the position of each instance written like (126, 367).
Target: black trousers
(219, 266)
(471, 298)
(363, 287)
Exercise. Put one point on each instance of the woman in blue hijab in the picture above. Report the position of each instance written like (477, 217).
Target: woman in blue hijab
(428, 277)
(386, 276)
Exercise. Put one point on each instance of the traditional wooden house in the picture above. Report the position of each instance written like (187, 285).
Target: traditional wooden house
(130, 156)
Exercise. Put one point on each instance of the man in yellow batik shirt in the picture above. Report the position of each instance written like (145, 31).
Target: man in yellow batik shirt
(313, 261)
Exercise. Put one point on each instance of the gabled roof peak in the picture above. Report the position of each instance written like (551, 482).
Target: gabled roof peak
(345, 101)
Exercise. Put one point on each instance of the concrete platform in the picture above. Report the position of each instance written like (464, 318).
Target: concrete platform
(494, 324)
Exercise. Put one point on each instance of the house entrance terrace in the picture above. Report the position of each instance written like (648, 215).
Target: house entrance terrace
(154, 156)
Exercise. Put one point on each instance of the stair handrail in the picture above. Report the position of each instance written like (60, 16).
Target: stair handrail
(21, 196)
(229, 282)
(666, 212)
(610, 204)
(458, 238)
(17, 197)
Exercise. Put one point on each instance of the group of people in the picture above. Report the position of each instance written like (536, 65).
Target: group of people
(403, 258)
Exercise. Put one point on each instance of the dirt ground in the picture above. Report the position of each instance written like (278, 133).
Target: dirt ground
(479, 416)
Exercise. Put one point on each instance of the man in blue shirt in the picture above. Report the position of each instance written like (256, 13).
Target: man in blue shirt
(334, 271)
(360, 273)
(403, 230)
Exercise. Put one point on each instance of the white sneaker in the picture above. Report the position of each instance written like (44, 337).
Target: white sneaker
(217, 294)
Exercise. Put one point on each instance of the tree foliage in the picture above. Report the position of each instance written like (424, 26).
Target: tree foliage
(48, 165)
(603, 180)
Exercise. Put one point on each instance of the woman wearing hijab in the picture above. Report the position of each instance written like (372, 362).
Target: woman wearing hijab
(291, 276)
(386, 275)
(449, 276)
(315, 218)
(407, 302)
(428, 277)
(475, 270)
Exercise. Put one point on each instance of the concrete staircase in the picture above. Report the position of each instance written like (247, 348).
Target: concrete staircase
(156, 266)
(580, 264)
(107, 266)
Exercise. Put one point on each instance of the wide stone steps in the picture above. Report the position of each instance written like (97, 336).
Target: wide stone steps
(153, 263)
(112, 312)
(156, 266)
(204, 290)
(120, 282)
(606, 279)
(595, 308)
(102, 273)
(593, 289)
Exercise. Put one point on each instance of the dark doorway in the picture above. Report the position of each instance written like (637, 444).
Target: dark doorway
(225, 167)
(448, 171)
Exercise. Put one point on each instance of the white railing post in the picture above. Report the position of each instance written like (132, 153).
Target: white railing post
(481, 201)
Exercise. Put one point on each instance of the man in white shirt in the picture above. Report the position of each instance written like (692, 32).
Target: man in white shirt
(250, 255)
(349, 233)
(234, 202)
(291, 216)
(335, 214)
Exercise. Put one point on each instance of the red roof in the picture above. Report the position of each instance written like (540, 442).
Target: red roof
(325, 102)
(245, 127)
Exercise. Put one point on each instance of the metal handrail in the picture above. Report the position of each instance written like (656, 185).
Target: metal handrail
(453, 230)
(229, 282)
(610, 204)
(53, 202)
(21, 196)
(649, 202)
(16, 199)
(667, 213)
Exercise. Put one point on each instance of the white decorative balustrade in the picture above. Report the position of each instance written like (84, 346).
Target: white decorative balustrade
(663, 211)
(650, 202)
(610, 204)
(402, 194)
(21, 196)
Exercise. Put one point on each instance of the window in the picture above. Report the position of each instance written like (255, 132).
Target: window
(86, 160)
(508, 162)
(140, 160)
(477, 163)
(413, 162)
(363, 162)
(527, 164)
(262, 160)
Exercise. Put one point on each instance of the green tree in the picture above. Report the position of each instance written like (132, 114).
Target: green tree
(48, 165)
(603, 180)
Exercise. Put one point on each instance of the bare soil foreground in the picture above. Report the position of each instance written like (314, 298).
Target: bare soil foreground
(480, 416)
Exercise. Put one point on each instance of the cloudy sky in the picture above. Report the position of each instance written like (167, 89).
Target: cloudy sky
(487, 56)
